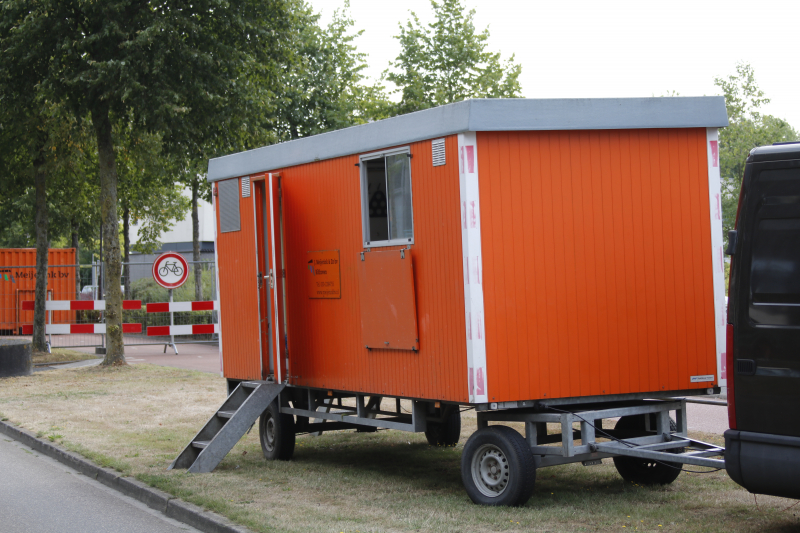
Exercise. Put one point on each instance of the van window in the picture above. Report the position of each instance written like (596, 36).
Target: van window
(775, 274)
(775, 266)
(386, 199)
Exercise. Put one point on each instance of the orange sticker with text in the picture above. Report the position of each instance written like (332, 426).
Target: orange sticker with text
(322, 274)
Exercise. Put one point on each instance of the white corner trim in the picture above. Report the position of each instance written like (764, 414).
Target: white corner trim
(216, 277)
(473, 267)
(718, 254)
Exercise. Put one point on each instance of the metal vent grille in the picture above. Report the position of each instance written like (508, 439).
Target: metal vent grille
(229, 205)
(245, 187)
(746, 367)
(439, 158)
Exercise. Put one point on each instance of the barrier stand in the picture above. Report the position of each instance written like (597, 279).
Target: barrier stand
(49, 343)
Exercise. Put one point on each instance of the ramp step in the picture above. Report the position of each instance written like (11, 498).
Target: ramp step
(224, 429)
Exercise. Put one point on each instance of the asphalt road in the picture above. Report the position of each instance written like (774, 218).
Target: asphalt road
(39, 494)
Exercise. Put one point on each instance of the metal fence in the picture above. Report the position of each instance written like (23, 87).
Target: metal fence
(138, 284)
(85, 282)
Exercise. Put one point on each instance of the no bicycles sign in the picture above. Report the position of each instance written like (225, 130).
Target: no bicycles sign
(170, 270)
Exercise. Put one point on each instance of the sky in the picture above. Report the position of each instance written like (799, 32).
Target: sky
(603, 49)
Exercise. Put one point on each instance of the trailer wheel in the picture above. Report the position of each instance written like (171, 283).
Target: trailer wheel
(645, 471)
(276, 432)
(447, 432)
(497, 467)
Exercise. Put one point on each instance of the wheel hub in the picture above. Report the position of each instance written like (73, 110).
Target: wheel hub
(269, 434)
(490, 470)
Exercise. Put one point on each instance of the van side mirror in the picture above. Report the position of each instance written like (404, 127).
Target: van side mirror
(731, 249)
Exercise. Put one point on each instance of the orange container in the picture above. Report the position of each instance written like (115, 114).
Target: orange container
(18, 283)
(545, 248)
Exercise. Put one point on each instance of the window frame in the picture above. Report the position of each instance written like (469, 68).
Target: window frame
(364, 189)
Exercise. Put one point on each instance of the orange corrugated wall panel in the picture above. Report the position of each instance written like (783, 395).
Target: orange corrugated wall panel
(597, 262)
(238, 295)
(60, 284)
(322, 211)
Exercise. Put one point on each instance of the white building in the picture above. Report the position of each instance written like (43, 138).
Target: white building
(179, 237)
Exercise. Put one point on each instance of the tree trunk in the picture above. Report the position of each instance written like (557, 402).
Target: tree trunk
(100, 276)
(126, 249)
(39, 313)
(115, 350)
(76, 244)
(198, 271)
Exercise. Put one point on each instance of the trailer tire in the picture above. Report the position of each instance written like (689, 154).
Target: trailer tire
(645, 471)
(276, 433)
(497, 467)
(447, 432)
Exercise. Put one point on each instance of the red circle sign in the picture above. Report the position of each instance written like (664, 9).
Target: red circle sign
(170, 270)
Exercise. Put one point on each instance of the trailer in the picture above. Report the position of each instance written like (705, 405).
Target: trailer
(18, 283)
(540, 261)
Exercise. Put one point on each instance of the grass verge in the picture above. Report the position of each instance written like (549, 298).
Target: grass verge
(60, 355)
(136, 419)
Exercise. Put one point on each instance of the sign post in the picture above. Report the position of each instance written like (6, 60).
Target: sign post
(171, 323)
(170, 270)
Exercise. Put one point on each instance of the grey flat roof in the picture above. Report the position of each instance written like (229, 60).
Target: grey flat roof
(509, 114)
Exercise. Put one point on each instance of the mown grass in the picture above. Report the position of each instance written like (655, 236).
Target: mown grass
(137, 419)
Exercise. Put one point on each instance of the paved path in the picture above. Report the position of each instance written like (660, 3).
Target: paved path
(41, 495)
(203, 357)
(707, 418)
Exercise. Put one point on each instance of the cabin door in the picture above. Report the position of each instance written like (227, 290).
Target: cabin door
(276, 279)
(261, 204)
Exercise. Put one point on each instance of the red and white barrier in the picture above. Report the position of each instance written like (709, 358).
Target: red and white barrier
(100, 305)
(81, 305)
(197, 329)
(179, 307)
(176, 307)
(67, 329)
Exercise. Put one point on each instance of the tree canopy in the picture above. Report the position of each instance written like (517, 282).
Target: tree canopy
(748, 128)
(322, 86)
(448, 61)
(187, 71)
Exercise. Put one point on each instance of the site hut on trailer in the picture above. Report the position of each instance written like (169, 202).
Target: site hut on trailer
(538, 260)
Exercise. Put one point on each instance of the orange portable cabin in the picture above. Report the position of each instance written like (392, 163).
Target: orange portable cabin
(18, 284)
(484, 251)
(544, 261)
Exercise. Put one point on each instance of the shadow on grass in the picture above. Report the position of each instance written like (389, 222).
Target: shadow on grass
(409, 463)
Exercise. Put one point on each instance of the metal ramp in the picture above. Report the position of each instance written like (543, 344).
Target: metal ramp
(221, 433)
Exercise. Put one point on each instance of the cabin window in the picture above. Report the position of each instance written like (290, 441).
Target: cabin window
(386, 199)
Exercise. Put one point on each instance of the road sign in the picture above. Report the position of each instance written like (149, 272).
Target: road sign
(170, 270)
